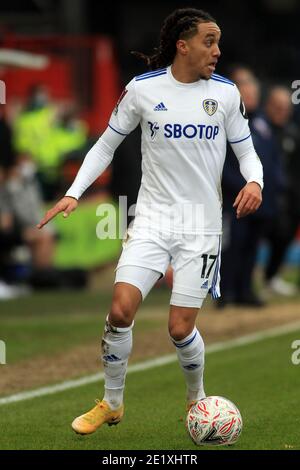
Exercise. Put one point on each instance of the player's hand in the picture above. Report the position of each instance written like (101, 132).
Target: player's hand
(248, 200)
(66, 205)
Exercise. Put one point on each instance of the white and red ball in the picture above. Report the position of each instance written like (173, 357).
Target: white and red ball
(214, 421)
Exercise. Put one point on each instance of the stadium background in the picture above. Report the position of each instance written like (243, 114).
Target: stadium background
(52, 329)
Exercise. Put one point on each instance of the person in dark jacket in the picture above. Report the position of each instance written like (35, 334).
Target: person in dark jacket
(283, 230)
(241, 237)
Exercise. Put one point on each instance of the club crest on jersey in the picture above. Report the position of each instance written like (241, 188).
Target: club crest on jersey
(210, 106)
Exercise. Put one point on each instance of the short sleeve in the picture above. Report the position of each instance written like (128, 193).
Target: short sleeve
(237, 128)
(126, 115)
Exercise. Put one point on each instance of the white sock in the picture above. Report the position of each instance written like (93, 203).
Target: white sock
(116, 348)
(190, 353)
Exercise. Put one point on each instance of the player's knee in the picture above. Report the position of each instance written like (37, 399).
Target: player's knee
(179, 331)
(121, 314)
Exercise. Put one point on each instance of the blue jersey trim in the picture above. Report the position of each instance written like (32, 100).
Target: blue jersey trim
(118, 132)
(213, 289)
(150, 76)
(221, 81)
(222, 78)
(241, 140)
(151, 73)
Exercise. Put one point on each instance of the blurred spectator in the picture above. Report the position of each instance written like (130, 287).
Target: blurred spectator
(241, 237)
(283, 230)
(20, 206)
(20, 210)
(21, 199)
(40, 134)
(33, 136)
(7, 158)
(69, 132)
(7, 154)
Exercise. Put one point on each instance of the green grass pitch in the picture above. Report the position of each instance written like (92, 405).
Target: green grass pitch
(260, 378)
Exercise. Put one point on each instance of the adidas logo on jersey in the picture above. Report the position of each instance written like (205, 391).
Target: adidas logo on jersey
(205, 285)
(160, 107)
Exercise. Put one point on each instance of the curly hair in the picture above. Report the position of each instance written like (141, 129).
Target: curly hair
(181, 24)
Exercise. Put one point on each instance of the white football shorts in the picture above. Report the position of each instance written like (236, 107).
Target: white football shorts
(195, 260)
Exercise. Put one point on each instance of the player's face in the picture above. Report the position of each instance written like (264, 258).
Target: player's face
(203, 50)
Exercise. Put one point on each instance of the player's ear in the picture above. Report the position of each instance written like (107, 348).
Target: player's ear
(182, 46)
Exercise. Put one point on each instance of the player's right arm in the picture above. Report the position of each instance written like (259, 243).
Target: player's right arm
(66, 205)
(124, 119)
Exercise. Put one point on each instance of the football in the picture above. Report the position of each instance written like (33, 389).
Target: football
(214, 421)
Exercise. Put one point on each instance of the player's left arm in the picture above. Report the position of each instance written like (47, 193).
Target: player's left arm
(238, 133)
(248, 199)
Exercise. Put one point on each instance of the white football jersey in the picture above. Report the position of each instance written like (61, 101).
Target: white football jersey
(185, 127)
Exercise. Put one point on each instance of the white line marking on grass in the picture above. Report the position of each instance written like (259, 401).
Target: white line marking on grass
(211, 348)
